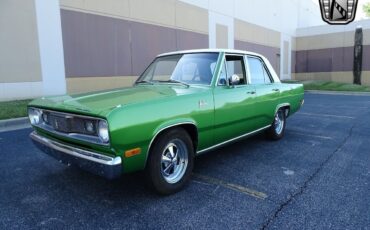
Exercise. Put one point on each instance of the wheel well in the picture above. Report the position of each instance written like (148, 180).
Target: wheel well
(193, 133)
(191, 129)
(287, 110)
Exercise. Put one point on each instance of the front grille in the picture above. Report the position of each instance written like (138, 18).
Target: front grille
(72, 126)
(69, 124)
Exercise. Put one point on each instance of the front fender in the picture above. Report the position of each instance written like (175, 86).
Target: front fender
(139, 132)
(168, 125)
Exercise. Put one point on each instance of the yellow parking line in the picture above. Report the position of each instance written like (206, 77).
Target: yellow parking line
(326, 115)
(312, 135)
(235, 187)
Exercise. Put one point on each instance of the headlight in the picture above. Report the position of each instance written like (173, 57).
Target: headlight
(103, 131)
(34, 116)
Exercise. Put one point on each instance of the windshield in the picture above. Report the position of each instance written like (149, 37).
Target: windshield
(187, 69)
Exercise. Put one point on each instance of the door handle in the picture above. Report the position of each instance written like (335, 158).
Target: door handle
(251, 92)
(276, 90)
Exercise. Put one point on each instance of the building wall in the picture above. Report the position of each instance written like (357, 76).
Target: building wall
(258, 39)
(30, 49)
(117, 39)
(262, 26)
(19, 58)
(326, 53)
(85, 45)
(17, 24)
(279, 15)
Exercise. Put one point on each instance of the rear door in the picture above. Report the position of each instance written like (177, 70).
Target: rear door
(234, 104)
(267, 92)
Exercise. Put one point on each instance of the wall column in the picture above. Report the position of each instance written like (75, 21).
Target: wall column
(218, 23)
(51, 47)
(285, 57)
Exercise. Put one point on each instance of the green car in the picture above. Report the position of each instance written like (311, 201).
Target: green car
(184, 104)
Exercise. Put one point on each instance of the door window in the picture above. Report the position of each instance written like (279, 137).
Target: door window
(235, 66)
(259, 74)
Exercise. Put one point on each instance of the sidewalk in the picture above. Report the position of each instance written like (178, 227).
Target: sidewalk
(14, 124)
(349, 93)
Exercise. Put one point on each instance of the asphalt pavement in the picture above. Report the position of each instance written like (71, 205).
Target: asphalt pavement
(316, 177)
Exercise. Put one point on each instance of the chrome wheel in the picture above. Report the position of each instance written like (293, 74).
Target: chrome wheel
(279, 122)
(174, 161)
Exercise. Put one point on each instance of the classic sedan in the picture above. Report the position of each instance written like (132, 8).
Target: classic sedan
(184, 104)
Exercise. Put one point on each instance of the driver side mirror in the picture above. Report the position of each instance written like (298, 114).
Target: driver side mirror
(234, 80)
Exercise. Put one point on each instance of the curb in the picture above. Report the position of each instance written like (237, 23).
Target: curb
(349, 93)
(13, 124)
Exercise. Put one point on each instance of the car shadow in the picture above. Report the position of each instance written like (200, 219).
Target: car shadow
(72, 181)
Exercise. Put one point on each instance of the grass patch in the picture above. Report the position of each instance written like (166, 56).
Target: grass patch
(13, 109)
(290, 81)
(331, 86)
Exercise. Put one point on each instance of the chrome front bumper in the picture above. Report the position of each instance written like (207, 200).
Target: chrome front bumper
(96, 163)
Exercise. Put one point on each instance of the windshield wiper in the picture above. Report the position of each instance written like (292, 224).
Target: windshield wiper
(144, 81)
(175, 81)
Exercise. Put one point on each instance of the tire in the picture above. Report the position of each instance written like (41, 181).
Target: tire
(277, 129)
(170, 162)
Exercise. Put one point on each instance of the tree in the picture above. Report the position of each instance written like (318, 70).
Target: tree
(366, 9)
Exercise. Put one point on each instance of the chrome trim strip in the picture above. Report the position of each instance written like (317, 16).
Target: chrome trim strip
(233, 139)
(68, 114)
(76, 152)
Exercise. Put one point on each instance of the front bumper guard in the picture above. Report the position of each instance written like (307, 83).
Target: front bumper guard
(96, 163)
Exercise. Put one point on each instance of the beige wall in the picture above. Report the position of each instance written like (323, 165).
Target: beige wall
(20, 57)
(197, 22)
(148, 11)
(331, 40)
(344, 77)
(221, 36)
(248, 32)
(173, 13)
(88, 84)
(110, 7)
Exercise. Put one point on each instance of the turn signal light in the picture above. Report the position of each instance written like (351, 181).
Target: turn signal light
(132, 152)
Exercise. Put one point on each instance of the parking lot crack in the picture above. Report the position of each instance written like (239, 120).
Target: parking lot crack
(302, 188)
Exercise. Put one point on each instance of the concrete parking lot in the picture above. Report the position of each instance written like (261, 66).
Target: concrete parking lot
(317, 177)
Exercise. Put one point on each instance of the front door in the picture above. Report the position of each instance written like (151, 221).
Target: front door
(234, 104)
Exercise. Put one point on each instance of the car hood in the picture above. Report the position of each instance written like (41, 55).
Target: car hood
(101, 103)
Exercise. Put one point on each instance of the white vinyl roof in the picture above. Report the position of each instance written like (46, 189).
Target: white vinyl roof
(210, 51)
